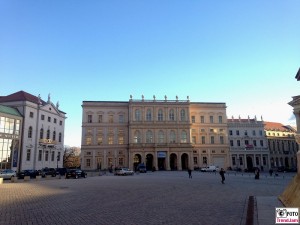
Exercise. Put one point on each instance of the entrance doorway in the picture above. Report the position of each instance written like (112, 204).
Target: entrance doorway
(249, 163)
(136, 161)
(149, 161)
(173, 161)
(184, 161)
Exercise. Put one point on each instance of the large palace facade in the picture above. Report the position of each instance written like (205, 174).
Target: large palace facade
(164, 134)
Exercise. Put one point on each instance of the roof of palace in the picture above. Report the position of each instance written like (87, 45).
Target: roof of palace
(273, 126)
(21, 96)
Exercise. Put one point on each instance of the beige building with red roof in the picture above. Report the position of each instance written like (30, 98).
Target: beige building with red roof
(42, 144)
(282, 145)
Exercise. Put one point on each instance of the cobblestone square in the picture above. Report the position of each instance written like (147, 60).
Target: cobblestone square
(152, 198)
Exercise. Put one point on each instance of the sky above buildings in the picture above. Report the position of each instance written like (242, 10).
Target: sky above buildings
(243, 53)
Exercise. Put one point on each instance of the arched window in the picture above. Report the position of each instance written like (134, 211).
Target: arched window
(149, 136)
(172, 136)
(54, 135)
(161, 137)
(137, 137)
(183, 137)
(160, 115)
(171, 115)
(30, 132)
(148, 115)
(137, 115)
(41, 133)
(182, 115)
(48, 134)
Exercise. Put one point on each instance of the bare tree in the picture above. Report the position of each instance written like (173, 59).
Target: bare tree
(71, 157)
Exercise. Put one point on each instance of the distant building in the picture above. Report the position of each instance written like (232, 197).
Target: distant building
(42, 144)
(165, 134)
(248, 144)
(282, 144)
(10, 137)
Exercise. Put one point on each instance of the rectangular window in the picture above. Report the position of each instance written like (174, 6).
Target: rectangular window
(233, 161)
(99, 118)
(230, 132)
(212, 139)
(237, 132)
(40, 155)
(99, 140)
(238, 143)
(231, 143)
(221, 139)
(261, 143)
(195, 160)
(202, 119)
(60, 122)
(241, 161)
(254, 133)
(28, 154)
(254, 143)
(88, 141)
(58, 156)
(246, 133)
(121, 161)
(220, 119)
(121, 118)
(204, 159)
(111, 118)
(110, 140)
(31, 114)
(264, 161)
(47, 156)
(55, 120)
(194, 139)
(246, 142)
(260, 133)
(193, 119)
(52, 155)
(88, 162)
(49, 119)
(89, 118)
(203, 139)
(121, 140)
(211, 119)
(42, 117)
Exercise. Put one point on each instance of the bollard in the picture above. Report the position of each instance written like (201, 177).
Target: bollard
(13, 179)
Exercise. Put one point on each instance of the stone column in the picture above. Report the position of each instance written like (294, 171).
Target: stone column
(297, 137)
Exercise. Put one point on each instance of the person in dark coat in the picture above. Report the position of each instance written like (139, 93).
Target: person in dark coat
(222, 174)
(190, 173)
(256, 174)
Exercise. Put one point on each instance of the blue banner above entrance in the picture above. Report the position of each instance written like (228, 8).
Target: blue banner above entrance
(161, 154)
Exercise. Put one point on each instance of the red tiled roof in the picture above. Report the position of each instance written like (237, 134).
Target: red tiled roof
(277, 126)
(20, 96)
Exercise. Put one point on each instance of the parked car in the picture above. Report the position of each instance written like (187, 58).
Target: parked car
(75, 173)
(31, 173)
(61, 171)
(210, 169)
(123, 171)
(7, 174)
(141, 168)
(48, 171)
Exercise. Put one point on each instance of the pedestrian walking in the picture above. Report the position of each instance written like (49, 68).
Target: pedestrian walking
(190, 173)
(222, 174)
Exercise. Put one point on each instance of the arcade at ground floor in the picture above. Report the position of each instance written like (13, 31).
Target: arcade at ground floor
(153, 158)
(248, 161)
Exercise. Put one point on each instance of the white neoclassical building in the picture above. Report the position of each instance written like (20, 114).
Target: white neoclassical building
(248, 144)
(165, 134)
(42, 144)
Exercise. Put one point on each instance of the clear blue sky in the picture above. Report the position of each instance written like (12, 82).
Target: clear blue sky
(243, 53)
